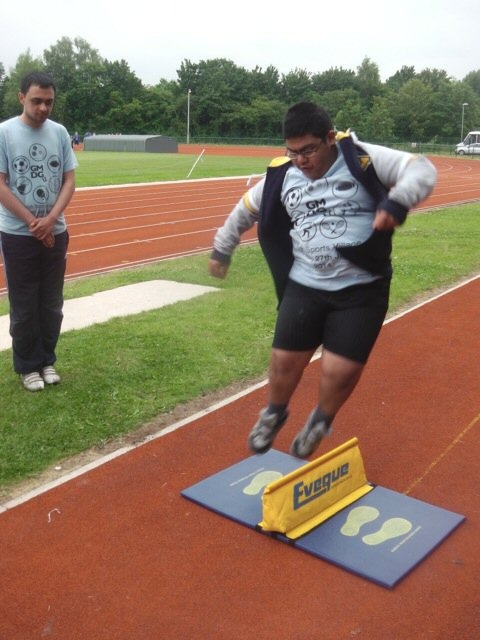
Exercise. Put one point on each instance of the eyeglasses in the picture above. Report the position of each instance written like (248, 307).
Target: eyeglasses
(308, 152)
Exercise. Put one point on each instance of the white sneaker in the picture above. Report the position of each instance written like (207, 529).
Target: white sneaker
(305, 442)
(263, 433)
(32, 381)
(50, 376)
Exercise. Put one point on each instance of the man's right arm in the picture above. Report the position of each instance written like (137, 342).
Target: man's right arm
(16, 206)
(12, 203)
(242, 218)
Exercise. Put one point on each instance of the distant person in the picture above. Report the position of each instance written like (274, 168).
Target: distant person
(325, 223)
(37, 181)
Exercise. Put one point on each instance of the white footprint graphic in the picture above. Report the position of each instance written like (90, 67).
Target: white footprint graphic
(356, 518)
(260, 481)
(392, 528)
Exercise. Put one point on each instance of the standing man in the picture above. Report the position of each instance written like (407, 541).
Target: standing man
(326, 214)
(37, 181)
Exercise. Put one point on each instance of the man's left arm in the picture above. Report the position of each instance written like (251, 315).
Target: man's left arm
(409, 179)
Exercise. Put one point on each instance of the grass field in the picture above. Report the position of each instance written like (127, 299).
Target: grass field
(129, 372)
(104, 167)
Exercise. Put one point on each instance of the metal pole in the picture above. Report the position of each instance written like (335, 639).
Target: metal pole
(465, 104)
(188, 115)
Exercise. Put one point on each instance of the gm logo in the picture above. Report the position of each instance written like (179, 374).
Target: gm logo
(303, 493)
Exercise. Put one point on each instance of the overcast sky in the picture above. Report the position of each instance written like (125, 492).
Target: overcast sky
(310, 35)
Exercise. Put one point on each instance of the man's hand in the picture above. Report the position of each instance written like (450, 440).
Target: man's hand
(41, 228)
(49, 241)
(383, 221)
(218, 269)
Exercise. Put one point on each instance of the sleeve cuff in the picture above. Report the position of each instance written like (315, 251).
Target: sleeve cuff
(395, 209)
(220, 257)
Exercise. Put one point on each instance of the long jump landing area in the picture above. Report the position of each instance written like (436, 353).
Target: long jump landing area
(116, 552)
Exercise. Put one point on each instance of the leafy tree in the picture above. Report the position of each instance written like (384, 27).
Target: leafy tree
(123, 117)
(333, 101)
(91, 87)
(265, 83)
(121, 93)
(434, 78)
(473, 80)
(334, 79)
(410, 108)
(367, 81)
(77, 69)
(401, 77)
(25, 64)
(61, 64)
(226, 100)
(160, 113)
(262, 119)
(379, 125)
(217, 87)
(118, 75)
(296, 86)
(68, 58)
(443, 121)
(85, 99)
(351, 115)
(463, 94)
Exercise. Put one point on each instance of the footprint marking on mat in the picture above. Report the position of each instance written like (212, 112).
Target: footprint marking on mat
(356, 518)
(392, 528)
(260, 481)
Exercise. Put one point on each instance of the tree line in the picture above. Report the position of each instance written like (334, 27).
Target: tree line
(217, 100)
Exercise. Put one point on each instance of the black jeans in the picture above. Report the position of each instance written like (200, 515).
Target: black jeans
(35, 277)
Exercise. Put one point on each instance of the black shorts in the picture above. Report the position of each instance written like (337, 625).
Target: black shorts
(346, 322)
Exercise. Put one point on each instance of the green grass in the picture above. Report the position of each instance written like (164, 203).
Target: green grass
(435, 249)
(104, 167)
(122, 374)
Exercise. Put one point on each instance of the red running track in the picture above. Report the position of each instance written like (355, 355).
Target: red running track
(117, 554)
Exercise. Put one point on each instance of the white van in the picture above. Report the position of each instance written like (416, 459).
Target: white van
(470, 145)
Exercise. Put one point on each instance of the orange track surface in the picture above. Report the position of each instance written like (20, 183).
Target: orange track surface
(116, 553)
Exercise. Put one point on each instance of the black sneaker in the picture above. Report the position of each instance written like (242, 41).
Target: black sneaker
(308, 439)
(263, 433)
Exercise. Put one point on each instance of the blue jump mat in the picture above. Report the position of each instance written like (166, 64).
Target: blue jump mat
(381, 537)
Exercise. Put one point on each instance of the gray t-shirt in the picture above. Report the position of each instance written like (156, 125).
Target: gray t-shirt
(34, 160)
(331, 212)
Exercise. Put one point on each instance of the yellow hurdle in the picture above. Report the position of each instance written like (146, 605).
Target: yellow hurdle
(303, 499)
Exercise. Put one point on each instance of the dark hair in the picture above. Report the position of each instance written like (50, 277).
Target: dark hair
(306, 118)
(38, 78)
